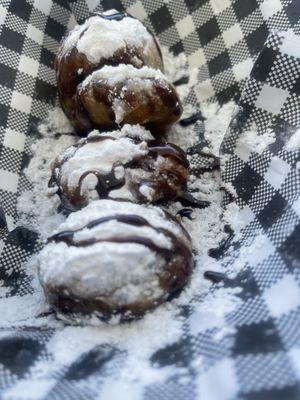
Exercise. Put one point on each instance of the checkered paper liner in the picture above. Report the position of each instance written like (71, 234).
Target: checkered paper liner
(222, 38)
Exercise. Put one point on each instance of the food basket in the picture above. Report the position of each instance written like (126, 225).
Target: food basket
(246, 50)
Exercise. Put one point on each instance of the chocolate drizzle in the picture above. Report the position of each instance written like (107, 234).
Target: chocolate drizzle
(214, 277)
(168, 180)
(219, 252)
(192, 119)
(214, 163)
(69, 61)
(178, 249)
(185, 213)
(216, 160)
(168, 150)
(187, 199)
(135, 220)
(118, 16)
(181, 81)
(106, 183)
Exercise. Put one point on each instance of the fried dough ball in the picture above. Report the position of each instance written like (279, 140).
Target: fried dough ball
(127, 165)
(114, 258)
(110, 38)
(118, 95)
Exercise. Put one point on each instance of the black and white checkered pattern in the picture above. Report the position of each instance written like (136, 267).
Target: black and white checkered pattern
(268, 187)
(222, 38)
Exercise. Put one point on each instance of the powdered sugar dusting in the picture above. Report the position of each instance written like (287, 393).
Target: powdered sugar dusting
(294, 142)
(56, 122)
(132, 79)
(129, 273)
(217, 122)
(112, 35)
(250, 140)
(132, 131)
(164, 326)
(37, 210)
(123, 72)
(101, 156)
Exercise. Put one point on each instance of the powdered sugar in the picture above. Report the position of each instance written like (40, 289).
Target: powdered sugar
(119, 108)
(217, 122)
(139, 339)
(112, 35)
(114, 165)
(128, 272)
(206, 228)
(252, 141)
(56, 122)
(132, 131)
(132, 79)
(147, 191)
(101, 156)
(175, 67)
(123, 72)
(16, 310)
(294, 142)
(36, 208)
(86, 271)
(103, 207)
